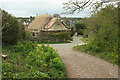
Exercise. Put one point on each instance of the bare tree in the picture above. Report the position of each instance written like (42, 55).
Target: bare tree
(73, 6)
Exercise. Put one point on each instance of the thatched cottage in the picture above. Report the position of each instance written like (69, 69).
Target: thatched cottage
(47, 23)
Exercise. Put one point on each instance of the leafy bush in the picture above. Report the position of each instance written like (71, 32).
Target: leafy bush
(39, 61)
(13, 30)
(25, 48)
(93, 45)
(102, 31)
(80, 27)
(103, 34)
(106, 55)
(28, 35)
(57, 68)
(54, 37)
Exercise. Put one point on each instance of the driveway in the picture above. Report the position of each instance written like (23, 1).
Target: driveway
(82, 65)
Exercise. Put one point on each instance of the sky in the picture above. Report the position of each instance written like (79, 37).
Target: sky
(27, 8)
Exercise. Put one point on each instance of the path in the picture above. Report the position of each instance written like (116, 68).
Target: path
(82, 65)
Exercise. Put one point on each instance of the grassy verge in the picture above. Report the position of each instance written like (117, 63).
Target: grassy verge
(85, 40)
(31, 61)
(108, 56)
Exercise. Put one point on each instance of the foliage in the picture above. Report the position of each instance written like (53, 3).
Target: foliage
(27, 35)
(62, 36)
(30, 60)
(102, 31)
(108, 56)
(54, 37)
(73, 31)
(80, 27)
(85, 40)
(26, 48)
(12, 30)
(56, 15)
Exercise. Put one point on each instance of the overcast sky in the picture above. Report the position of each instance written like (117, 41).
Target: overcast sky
(26, 8)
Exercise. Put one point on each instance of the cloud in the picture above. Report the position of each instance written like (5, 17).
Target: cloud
(22, 8)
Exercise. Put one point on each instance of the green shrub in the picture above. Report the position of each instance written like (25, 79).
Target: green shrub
(102, 31)
(58, 65)
(54, 37)
(13, 30)
(73, 31)
(39, 61)
(25, 48)
(80, 27)
(93, 45)
(80, 32)
(28, 35)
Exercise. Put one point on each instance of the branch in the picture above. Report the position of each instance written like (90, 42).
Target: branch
(73, 6)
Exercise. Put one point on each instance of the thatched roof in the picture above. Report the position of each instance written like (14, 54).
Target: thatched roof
(55, 24)
(47, 23)
(39, 22)
(50, 23)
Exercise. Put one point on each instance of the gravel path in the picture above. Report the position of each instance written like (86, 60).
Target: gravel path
(82, 65)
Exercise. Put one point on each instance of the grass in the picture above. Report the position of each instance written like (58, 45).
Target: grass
(53, 42)
(108, 56)
(79, 48)
(85, 40)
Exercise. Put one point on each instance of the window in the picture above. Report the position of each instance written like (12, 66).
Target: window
(33, 34)
(35, 29)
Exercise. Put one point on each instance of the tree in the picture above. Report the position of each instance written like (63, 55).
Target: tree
(73, 6)
(56, 15)
(12, 29)
(80, 27)
(103, 29)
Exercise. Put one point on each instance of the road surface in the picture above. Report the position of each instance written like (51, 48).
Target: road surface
(82, 65)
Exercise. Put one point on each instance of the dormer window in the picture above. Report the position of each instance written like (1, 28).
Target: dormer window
(35, 29)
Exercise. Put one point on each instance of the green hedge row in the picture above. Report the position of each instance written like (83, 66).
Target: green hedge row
(54, 37)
